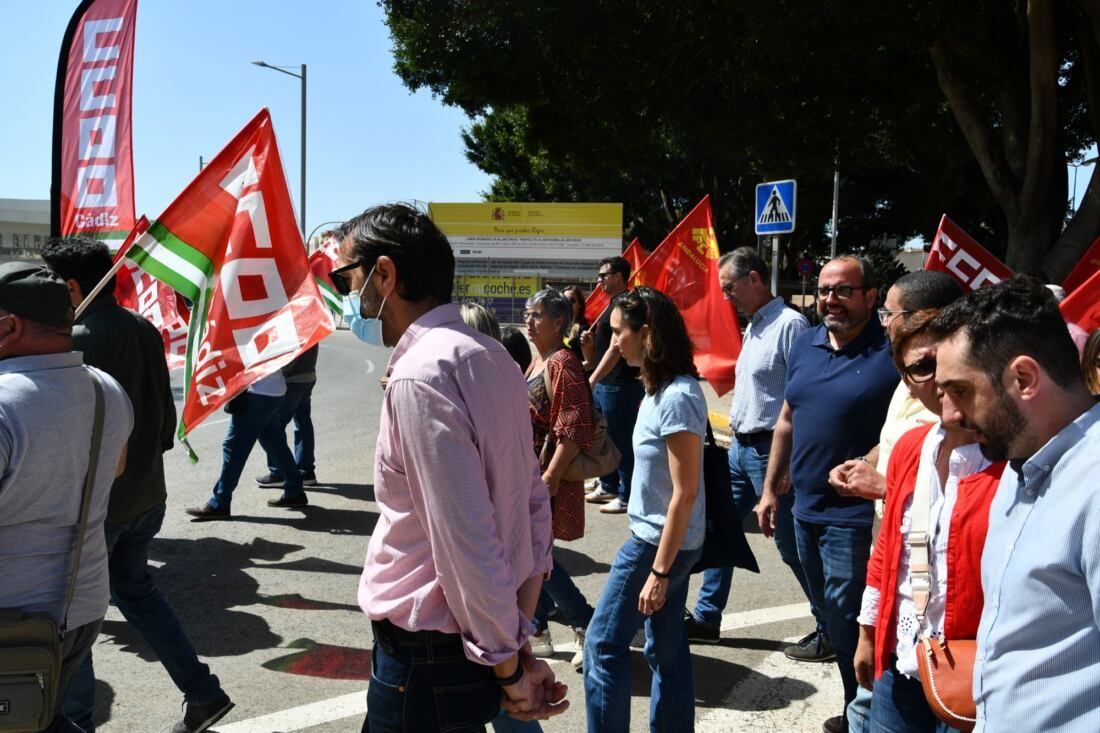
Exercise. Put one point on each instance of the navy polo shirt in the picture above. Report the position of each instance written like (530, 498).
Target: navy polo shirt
(838, 400)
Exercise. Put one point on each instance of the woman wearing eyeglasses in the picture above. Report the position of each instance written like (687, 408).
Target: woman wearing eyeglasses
(561, 418)
(649, 578)
(942, 465)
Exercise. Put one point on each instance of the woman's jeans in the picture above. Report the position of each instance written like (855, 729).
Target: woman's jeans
(898, 706)
(560, 590)
(607, 646)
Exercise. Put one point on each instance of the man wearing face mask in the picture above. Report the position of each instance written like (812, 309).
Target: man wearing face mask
(455, 565)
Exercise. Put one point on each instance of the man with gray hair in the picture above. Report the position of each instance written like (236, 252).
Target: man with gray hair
(47, 413)
(761, 375)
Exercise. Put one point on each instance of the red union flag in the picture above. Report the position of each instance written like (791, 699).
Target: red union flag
(956, 253)
(92, 192)
(1088, 265)
(685, 268)
(230, 244)
(597, 300)
(1082, 306)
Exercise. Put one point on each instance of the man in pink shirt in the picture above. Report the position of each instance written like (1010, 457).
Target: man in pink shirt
(454, 567)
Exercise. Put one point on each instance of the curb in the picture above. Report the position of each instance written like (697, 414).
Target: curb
(720, 423)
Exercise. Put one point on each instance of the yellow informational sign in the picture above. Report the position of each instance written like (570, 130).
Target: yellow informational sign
(542, 231)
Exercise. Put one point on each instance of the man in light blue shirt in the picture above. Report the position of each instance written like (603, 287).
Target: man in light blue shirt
(1008, 369)
(761, 375)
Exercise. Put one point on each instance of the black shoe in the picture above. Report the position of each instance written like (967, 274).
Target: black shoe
(270, 480)
(813, 647)
(834, 725)
(198, 717)
(285, 502)
(309, 478)
(207, 513)
(699, 632)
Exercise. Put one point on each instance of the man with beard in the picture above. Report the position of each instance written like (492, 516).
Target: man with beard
(1009, 371)
(840, 377)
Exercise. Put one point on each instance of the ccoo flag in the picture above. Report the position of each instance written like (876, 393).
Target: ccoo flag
(956, 253)
(92, 192)
(685, 268)
(597, 300)
(322, 261)
(229, 244)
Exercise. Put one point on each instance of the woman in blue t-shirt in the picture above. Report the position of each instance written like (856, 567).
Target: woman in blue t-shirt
(649, 578)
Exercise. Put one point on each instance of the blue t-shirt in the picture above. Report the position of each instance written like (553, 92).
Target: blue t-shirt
(678, 407)
(838, 401)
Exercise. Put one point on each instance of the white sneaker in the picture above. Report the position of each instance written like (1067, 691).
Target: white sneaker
(615, 506)
(542, 645)
(599, 496)
(578, 659)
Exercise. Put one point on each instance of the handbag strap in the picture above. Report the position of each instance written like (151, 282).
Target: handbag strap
(85, 499)
(919, 539)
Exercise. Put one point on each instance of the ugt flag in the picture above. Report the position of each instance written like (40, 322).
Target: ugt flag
(956, 253)
(685, 268)
(229, 243)
(597, 300)
(1086, 268)
(1082, 306)
(92, 192)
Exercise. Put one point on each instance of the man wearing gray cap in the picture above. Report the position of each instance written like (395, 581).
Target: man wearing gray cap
(47, 408)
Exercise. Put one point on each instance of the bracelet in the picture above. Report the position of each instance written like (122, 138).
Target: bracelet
(512, 678)
(662, 576)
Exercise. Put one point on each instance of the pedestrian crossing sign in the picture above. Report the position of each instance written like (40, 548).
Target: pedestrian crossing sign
(775, 202)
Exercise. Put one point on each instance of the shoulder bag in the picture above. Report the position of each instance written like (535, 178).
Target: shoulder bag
(32, 644)
(598, 460)
(946, 666)
(724, 545)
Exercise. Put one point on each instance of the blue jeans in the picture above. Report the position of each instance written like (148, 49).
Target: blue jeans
(429, 688)
(835, 562)
(748, 464)
(619, 403)
(898, 706)
(148, 611)
(296, 406)
(244, 430)
(504, 724)
(560, 590)
(859, 712)
(607, 646)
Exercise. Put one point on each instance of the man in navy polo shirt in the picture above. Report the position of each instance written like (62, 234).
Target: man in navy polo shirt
(839, 382)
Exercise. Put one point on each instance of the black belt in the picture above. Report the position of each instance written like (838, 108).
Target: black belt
(412, 639)
(761, 436)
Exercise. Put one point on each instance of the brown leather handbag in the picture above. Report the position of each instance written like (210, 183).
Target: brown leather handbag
(947, 676)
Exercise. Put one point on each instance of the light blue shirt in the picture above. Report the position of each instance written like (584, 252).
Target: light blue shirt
(678, 407)
(1038, 662)
(761, 372)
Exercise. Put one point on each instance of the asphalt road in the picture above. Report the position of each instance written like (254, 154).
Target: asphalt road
(270, 598)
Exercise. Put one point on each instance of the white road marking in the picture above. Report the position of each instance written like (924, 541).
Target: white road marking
(758, 686)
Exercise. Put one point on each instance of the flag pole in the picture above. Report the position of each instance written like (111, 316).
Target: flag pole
(90, 296)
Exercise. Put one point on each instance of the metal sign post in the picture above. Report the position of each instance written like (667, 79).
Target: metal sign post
(775, 264)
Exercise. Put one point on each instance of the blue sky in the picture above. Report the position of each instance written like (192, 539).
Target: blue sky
(369, 139)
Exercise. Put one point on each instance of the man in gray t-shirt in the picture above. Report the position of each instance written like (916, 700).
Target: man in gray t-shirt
(47, 408)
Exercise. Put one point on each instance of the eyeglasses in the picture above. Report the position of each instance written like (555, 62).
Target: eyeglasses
(604, 275)
(843, 292)
(885, 316)
(727, 288)
(921, 370)
(533, 315)
(339, 281)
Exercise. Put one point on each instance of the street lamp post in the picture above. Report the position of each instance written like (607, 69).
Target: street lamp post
(302, 76)
(1089, 161)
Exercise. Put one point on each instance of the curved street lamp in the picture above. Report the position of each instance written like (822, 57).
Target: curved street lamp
(302, 76)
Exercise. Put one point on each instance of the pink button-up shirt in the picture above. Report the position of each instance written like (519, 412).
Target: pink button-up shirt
(465, 515)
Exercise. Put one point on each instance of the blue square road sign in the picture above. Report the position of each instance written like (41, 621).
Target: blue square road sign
(775, 207)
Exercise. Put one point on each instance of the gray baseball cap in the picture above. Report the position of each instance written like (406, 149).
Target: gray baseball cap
(33, 292)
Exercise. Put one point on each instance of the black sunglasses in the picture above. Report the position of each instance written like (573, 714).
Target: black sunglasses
(339, 281)
(921, 370)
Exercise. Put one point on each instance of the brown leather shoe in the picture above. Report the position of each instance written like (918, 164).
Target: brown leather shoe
(288, 502)
(207, 513)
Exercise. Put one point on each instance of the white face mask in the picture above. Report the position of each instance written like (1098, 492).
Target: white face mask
(367, 329)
